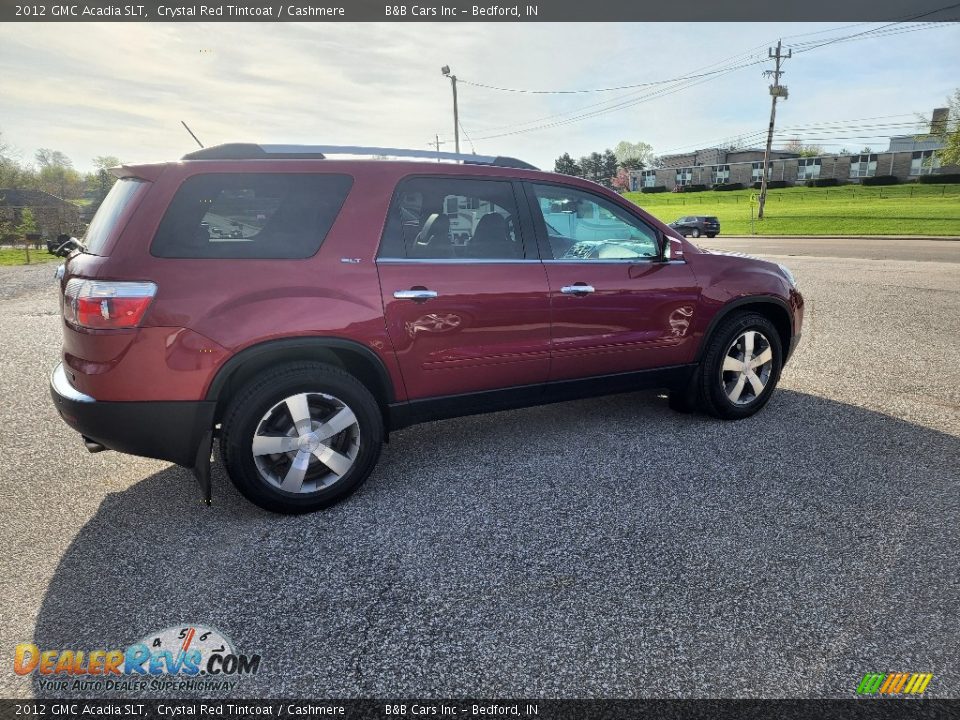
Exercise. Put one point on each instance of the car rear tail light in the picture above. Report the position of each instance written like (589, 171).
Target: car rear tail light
(105, 304)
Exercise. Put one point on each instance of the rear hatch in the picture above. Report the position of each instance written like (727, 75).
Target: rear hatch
(100, 311)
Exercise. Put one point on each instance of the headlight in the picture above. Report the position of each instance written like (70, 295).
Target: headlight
(787, 274)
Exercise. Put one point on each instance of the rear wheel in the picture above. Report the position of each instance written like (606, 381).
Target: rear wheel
(301, 438)
(711, 235)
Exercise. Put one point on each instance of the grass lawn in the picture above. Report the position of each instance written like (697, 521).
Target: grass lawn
(845, 210)
(16, 256)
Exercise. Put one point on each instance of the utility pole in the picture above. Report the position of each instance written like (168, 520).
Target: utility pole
(776, 91)
(437, 143)
(456, 115)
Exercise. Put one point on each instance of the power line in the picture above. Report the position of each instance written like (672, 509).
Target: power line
(740, 57)
(740, 137)
(614, 107)
(590, 90)
(464, 131)
(882, 27)
(680, 83)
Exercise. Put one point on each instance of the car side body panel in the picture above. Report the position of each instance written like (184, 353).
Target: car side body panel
(213, 317)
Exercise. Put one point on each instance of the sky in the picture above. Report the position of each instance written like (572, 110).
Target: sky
(121, 89)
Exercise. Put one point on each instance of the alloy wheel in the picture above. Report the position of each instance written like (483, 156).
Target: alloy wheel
(306, 442)
(747, 366)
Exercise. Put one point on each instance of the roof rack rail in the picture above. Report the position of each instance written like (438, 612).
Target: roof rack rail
(252, 151)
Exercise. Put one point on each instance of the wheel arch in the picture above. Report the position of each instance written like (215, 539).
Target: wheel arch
(350, 356)
(775, 309)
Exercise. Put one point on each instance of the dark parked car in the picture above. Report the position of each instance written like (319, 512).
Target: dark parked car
(697, 225)
(349, 311)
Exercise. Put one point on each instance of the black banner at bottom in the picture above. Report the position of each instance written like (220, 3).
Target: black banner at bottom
(406, 709)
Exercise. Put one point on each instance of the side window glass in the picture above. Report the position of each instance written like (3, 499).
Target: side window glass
(250, 215)
(452, 218)
(583, 226)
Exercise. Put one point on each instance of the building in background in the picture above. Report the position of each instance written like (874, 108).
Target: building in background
(52, 215)
(906, 158)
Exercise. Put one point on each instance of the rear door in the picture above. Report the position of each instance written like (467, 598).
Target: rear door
(616, 307)
(465, 295)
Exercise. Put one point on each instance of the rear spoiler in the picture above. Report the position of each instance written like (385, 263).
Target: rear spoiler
(140, 172)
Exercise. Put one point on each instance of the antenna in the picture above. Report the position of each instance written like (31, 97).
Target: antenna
(187, 128)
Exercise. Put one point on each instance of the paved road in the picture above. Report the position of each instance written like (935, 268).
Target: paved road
(594, 548)
(922, 249)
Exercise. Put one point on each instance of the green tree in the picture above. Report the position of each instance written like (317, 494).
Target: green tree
(592, 166)
(633, 156)
(797, 146)
(566, 165)
(56, 175)
(610, 167)
(949, 132)
(46, 157)
(27, 225)
(98, 183)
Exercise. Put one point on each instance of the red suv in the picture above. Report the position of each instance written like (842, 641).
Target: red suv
(298, 308)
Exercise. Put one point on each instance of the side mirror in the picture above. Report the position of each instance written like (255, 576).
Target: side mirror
(672, 249)
(66, 246)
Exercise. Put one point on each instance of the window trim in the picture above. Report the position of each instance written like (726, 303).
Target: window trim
(543, 241)
(529, 246)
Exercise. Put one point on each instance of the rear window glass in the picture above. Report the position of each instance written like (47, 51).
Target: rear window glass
(104, 222)
(250, 215)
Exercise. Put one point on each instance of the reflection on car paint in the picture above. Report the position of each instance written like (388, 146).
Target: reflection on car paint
(680, 320)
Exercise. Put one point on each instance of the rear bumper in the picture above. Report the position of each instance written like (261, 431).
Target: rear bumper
(163, 430)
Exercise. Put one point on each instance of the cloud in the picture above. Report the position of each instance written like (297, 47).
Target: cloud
(121, 89)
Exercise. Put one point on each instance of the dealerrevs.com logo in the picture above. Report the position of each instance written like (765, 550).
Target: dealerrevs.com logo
(187, 657)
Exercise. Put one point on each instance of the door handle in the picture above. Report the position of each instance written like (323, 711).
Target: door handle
(577, 289)
(418, 294)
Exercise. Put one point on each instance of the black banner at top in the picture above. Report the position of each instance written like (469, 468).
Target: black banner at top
(476, 11)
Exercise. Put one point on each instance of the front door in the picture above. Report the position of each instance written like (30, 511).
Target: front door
(465, 295)
(616, 307)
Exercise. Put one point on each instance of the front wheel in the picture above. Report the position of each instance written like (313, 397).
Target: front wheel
(301, 437)
(738, 372)
(695, 232)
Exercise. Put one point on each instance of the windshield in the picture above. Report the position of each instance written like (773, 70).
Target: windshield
(104, 222)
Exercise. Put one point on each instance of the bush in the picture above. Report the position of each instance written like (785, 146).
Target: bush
(693, 188)
(773, 185)
(945, 179)
(728, 186)
(880, 180)
(822, 182)
(654, 189)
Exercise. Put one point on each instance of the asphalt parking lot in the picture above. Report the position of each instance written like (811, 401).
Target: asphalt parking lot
(599, 548)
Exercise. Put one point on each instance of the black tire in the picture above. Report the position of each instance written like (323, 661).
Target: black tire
(263, 395)
(695, 232)
(706, 389)
(711, 235)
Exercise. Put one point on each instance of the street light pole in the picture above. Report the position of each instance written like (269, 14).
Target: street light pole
(456, 114)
